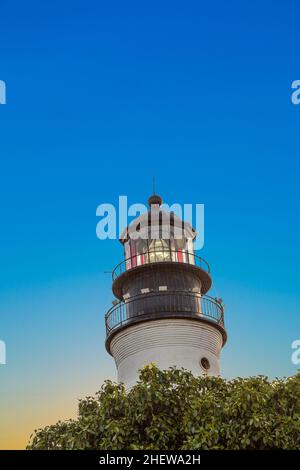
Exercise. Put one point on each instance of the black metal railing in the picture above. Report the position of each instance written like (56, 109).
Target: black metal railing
(159, 256)
(154, 305)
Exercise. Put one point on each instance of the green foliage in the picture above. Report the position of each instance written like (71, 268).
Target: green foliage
(174, 410)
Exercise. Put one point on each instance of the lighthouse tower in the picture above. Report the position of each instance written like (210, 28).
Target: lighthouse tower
(163, 313)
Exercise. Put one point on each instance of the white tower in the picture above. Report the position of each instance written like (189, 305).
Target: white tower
(162, 314)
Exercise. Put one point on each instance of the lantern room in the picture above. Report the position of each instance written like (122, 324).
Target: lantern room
(158, 236)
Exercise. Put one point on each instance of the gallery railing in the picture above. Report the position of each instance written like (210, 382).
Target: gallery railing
(164, 303)
(159, 256)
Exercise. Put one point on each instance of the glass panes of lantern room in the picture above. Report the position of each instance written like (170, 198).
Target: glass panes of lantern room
(143, 251)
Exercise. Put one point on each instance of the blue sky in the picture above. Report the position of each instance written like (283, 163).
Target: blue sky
(101, 97)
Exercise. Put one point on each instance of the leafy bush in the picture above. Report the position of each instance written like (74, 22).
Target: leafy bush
(174, 410)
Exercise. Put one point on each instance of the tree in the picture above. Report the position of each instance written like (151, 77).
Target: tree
(174, 410)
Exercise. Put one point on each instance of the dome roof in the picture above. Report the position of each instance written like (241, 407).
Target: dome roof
(157, 217)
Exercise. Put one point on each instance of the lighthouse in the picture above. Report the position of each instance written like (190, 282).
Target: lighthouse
(162, 312)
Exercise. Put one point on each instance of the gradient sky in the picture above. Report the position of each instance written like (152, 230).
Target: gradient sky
(100, 97)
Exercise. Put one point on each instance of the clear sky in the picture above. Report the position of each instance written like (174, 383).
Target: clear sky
(100, 97)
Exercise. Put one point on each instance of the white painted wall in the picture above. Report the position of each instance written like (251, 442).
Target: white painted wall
(167, 342)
